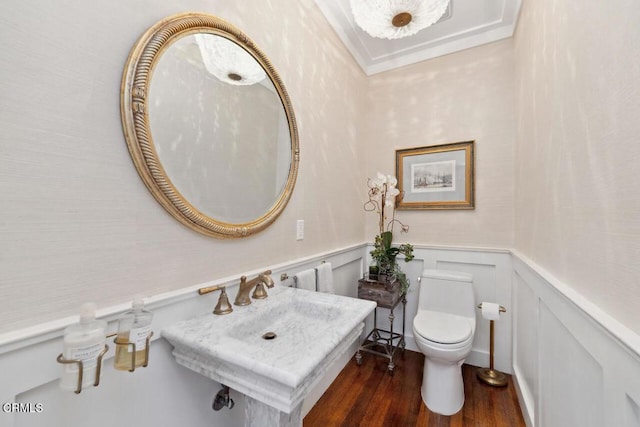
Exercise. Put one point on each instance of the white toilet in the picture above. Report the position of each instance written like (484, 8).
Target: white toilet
(443, 328)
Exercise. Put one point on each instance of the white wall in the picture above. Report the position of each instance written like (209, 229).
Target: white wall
(164, 393)
(574, 364)
(80, 225)
(577, 228)
(459, 97)
(491, 271)
(577, 179)
(77, 224)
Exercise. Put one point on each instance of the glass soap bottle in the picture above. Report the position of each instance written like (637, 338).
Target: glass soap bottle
(134, 326)
(83, 341)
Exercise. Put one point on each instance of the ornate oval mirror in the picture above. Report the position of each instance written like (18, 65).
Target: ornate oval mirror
(209, 125)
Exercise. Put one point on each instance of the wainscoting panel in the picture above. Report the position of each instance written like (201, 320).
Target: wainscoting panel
(491, 270)
(164, 393)
(632, 412)
(571, 380)
(525, 342)
(573, 364)
(121, 397)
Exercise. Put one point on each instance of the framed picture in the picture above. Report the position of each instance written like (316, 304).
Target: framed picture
(437, 176)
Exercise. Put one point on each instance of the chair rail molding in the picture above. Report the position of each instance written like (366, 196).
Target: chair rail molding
(573, 364)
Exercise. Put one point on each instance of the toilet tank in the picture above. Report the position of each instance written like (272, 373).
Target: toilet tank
(447, 291)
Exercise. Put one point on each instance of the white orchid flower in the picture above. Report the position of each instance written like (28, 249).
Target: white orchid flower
(382, 199)
(390, 198)
(376, 183)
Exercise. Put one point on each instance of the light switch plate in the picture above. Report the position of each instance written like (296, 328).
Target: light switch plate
(300, 229)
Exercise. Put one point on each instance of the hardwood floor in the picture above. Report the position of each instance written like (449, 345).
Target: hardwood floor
(368, 396)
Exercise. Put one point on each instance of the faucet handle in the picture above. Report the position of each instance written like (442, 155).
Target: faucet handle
(260, 292)
(203, 291)
(223, 306)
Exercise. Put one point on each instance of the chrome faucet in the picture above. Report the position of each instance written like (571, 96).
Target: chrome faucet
(242, 298)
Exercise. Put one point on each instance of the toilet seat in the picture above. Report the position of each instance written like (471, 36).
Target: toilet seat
(442, 328)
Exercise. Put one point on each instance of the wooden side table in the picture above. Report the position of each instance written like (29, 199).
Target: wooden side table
(382, 342)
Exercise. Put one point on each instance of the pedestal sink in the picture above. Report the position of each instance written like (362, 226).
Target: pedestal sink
(272, 350)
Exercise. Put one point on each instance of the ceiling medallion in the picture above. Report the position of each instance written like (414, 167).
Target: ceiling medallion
(394, 19)
(228, 61)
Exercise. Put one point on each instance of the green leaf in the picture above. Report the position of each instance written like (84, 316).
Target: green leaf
(386, 237)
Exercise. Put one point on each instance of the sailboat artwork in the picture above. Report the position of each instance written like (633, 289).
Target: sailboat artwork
(433, 176)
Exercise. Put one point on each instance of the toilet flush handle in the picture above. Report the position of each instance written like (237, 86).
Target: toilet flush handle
(419, 279)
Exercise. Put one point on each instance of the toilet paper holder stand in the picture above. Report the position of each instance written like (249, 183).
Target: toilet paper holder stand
(489, 375)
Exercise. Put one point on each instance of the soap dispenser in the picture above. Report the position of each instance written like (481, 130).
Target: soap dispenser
(134, 327)
(83, 342)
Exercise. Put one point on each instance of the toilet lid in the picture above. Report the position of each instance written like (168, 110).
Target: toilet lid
(444, 328)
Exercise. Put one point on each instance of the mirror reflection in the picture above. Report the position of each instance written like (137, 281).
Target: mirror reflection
(219, 127)
(209, 125)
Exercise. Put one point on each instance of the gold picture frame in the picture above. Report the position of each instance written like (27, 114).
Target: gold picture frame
(437, 176)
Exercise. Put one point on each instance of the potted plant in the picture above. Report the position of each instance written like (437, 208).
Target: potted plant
(382, 200)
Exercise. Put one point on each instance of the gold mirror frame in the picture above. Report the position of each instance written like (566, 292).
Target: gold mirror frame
(134, 112)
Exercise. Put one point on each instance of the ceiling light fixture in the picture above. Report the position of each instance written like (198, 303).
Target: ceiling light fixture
(394, 19)
(228, 61)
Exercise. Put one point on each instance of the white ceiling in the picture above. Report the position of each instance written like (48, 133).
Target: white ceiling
(467, 23)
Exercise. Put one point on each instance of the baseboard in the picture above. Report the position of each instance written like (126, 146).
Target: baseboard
(524, 398)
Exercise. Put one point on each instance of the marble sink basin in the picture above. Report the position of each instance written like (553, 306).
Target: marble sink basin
(311, 330)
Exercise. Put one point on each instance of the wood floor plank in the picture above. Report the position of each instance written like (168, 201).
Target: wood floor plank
(367, 396)
(404, 412)
(345, 393)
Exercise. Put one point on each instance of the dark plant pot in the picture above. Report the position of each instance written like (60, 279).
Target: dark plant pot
(373, 272)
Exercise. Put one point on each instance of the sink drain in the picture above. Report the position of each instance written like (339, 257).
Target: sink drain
(269, 335)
